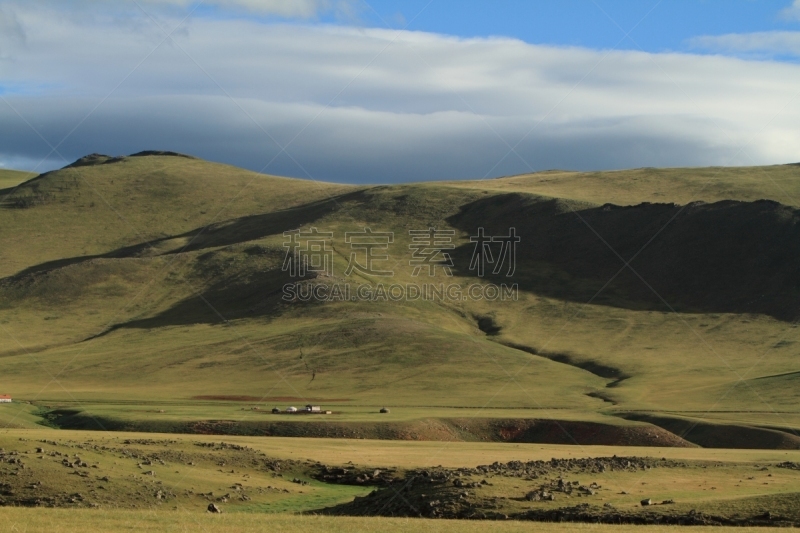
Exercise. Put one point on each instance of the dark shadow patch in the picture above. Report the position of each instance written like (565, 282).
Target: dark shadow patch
(725, 257)
(710, 435)
(145, 153)
(488, 324)
(598, 369)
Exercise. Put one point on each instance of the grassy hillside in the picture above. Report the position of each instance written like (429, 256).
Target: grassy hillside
(157, 279)
(11, 178)
(100, 204)
(656, 185)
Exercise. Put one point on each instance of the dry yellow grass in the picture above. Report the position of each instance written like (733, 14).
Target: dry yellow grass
(410, 454)
(102, 520)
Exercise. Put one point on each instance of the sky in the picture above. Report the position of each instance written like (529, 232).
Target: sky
(391, 91)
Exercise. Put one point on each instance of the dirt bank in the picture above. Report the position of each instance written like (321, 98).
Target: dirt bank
(710, 435)
(432, 429)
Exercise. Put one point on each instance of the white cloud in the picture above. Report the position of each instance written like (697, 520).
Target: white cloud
(403, 106)
(766, 43)
(289, 9)
(282, 8)
(792, 12)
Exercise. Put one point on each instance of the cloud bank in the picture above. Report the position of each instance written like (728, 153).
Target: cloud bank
(367, 105)
(765, 44)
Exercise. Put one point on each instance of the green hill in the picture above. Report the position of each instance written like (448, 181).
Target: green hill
(11, 178)
(157, 279)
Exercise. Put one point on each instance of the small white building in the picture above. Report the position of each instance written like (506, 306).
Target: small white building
(291, 409)
(313, 408)
(5, 398)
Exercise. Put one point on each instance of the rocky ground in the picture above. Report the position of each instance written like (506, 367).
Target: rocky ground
(220, 477)
(471, 493)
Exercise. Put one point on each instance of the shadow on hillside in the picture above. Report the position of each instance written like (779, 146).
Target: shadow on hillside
(739, 257)
(221, 302)
(224, 233)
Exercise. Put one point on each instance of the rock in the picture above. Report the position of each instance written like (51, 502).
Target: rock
(647, 502)
(212, 508)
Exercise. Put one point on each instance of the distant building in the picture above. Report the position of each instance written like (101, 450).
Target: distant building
(313, 408)
(291, 409)
(5, 398)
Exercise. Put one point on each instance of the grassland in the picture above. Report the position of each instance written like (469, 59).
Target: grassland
(127, 276)
(144, 294)
(656, 185)
(63, 521)
(122, 476)
(11, 178)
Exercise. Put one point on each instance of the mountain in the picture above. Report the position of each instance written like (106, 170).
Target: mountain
(159, 277)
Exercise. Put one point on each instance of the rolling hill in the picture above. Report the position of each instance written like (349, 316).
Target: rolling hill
(646, 298)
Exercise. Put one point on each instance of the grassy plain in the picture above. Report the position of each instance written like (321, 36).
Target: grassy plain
(96, 520)
(111, 481)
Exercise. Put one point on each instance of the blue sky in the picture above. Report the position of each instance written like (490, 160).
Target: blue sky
(392, 91)
(654, 26)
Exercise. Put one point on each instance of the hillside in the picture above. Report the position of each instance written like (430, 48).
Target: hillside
(156, 279)
(655, 185)
(11, 178)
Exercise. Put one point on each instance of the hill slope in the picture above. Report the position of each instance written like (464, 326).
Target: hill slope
(159, 277)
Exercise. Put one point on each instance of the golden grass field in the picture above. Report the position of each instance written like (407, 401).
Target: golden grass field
(63, 521)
